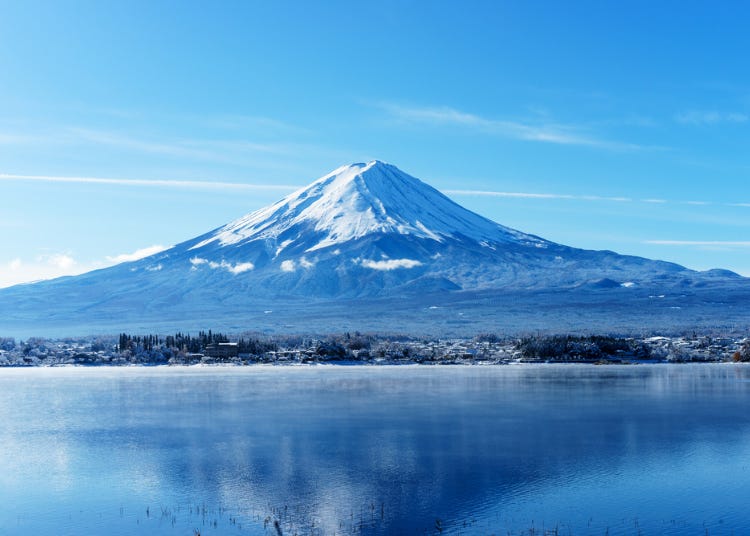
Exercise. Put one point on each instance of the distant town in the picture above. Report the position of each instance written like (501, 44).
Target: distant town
(208, 348)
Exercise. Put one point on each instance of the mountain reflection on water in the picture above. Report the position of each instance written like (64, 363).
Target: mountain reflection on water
(410, 450)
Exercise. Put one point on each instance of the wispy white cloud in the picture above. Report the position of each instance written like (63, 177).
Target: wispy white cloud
(266, 125)
(284, 188)
(137, 254)
(13, 139)
(230, 122)
(267, 144)
(491, 193)
(46, 266)
(235, 269)
(115, 139)
(206, 185)
(59, 264)
(223, 151)
(572, 197)
(701, 243)
(546, 132)
(61, 261)
(391, 264)
(709, 117)
(528, 195)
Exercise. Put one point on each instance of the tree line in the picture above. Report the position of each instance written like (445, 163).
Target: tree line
(186, 343)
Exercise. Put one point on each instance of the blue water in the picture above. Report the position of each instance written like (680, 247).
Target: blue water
(662, 449)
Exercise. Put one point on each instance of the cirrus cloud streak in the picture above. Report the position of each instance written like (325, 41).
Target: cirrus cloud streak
(701, 243)
(190, 184)
(545, 132)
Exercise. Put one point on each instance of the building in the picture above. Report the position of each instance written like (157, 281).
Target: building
(222, 350)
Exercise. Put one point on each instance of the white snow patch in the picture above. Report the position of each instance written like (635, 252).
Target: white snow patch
(657, 339)
(196, 261)
(305, 263)
(391, 264)
(429, 234)
(361, 199)
(155, 268)
(627, 284)
(282, 247)
(287, 266)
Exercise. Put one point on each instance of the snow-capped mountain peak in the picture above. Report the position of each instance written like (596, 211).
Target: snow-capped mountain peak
(369, 247)
(358, 200)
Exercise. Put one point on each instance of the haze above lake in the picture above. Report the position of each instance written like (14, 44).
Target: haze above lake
(660, 449)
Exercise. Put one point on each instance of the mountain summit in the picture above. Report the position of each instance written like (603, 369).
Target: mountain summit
(371, 229)
(358, 200)
(360, 234)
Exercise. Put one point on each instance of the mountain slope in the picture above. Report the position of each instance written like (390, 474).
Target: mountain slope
(368, 229)
(362, 232)
(354, 201)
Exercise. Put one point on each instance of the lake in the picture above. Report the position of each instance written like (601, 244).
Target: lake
(532, 449)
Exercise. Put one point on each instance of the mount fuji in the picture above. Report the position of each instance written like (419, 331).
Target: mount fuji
(370, 247)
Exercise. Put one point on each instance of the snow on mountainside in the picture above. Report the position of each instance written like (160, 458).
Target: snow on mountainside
(362, 232)
(360, 199)
(371, 229)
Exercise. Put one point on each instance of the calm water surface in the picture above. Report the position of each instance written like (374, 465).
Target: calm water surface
(376, 450)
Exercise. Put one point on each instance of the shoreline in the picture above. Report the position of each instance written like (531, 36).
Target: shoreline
(346, 350)
(258, 367)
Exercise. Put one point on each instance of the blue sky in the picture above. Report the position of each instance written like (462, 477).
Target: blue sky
(130, 126)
